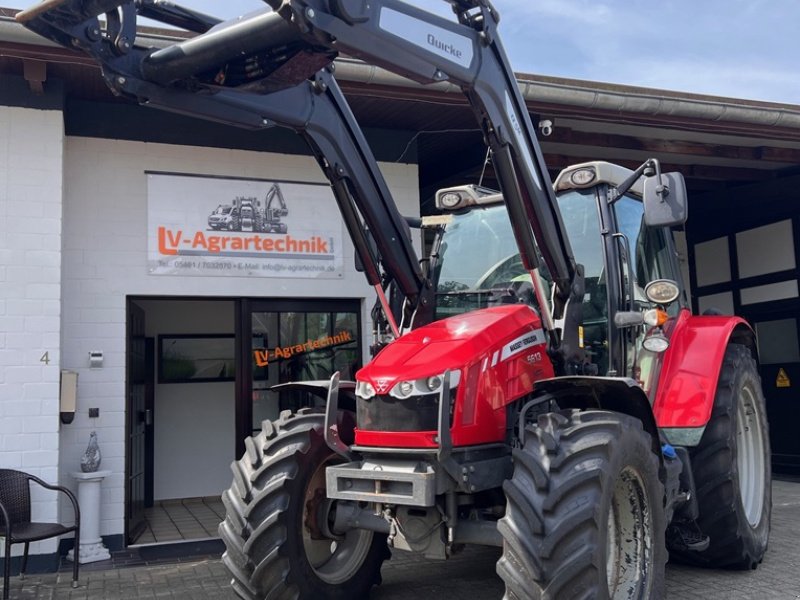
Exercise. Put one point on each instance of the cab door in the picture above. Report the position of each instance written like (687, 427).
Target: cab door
(644, 254)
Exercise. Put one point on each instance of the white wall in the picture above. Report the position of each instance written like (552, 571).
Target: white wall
(31, 162)
(194, 423)
(105, 260)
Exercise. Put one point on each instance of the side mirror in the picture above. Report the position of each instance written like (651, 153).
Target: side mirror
(665, 200)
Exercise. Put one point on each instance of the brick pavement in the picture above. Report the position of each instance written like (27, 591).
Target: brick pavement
(469, 576)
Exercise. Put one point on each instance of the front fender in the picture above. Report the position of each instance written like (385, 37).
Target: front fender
(691, 367)
(618, 394)
(320, 388)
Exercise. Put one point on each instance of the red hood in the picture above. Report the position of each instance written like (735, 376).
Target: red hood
(449, 344)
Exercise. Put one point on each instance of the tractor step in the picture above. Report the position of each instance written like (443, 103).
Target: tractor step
(686, 535)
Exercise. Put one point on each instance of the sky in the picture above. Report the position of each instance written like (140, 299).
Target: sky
(746, 49)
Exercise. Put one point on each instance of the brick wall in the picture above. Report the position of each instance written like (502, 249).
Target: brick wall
(31, 167)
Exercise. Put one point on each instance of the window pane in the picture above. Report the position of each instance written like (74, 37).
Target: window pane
(777, 341)
(299, 346)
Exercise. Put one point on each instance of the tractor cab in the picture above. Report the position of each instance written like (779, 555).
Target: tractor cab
(626, 249)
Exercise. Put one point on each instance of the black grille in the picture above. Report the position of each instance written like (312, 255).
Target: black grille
(387, 413)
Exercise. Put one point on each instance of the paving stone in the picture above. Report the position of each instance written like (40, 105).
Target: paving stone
(470, 575)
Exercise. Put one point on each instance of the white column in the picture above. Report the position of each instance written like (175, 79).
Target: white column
(91, 545)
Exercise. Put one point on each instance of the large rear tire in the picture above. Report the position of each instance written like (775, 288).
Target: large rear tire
(585, 511)
(274, 545)
(732, 470)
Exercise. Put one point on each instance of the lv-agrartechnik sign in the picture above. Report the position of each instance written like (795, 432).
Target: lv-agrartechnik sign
(214, 226)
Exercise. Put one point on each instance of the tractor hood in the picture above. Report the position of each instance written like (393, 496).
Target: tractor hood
(451, 344)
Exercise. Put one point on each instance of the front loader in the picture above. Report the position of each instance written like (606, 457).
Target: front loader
(545, 387)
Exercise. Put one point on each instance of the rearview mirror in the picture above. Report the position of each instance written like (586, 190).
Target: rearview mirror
(665, 201)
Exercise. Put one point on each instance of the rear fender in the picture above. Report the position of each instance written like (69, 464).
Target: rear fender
(618, 394)
(690, 372)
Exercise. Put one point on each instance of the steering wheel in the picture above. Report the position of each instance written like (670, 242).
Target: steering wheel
(495, 274)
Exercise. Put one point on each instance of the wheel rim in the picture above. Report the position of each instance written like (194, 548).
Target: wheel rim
(333, 561)
(750, 455)
(630, 539)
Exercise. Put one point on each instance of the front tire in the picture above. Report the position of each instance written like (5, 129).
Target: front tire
(274, 547)
(584, 515)
(731, 466)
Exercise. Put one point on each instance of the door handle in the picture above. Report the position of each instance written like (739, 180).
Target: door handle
(148, 417)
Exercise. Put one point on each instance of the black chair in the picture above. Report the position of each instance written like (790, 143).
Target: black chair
(15, 520)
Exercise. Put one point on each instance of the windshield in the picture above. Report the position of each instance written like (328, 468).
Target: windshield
(478, 253)
(474, 244)
(479, 261)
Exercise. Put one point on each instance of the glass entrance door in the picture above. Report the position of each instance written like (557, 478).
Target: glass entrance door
(287, 341)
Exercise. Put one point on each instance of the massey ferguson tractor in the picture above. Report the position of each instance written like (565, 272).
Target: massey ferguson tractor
(543, 386)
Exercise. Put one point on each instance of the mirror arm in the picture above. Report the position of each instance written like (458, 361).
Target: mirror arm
(662, 189)
(623, 187)
(651, 164)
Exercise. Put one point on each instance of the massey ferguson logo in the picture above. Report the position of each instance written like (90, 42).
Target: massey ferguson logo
(443, 46)
(523, 342)
(382, 386)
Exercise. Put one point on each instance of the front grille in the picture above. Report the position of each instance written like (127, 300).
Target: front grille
(387, 413)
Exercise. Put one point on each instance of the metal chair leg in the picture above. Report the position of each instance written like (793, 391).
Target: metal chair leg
(7, 569)
(77, 556)
(24, 566)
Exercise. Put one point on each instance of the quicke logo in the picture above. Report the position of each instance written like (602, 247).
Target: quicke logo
(444, 46)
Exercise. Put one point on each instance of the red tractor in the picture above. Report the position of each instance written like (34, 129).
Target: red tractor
(542, 385)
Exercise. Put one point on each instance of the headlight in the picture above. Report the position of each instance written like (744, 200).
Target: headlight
(662, 291)
(424, 386)
(365, 390)
(450, 200)
(402, 390)
(582, 177)
(656, 343)
(434, 383)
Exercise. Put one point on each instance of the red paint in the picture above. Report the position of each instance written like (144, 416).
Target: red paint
(691, 368)
(397, 439)
(465, 343)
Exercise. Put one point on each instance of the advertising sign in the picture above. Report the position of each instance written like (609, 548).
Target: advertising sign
(240, 227)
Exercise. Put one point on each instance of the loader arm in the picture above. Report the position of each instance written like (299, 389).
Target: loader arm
(296, 90)
(284, 60)
(429, 49)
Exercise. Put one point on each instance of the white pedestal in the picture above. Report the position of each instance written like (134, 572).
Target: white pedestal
(91, 545)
